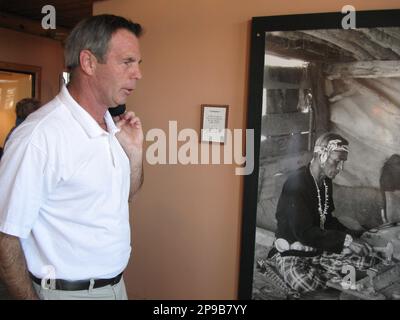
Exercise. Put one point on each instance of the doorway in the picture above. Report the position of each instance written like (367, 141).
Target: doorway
(16, 82)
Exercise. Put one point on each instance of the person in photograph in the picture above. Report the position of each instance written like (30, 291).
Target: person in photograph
(68, 173)
(23, 109)
(311, 245)
(390, 186)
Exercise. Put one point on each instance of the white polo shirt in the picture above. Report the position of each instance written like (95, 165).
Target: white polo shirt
(64, 187)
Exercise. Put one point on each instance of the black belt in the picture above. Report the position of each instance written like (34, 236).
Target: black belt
(79, 284)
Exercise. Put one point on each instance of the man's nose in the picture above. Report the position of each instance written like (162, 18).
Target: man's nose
(136, 73)
(337, 171)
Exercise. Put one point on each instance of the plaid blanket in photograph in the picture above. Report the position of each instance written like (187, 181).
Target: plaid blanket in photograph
(305, 274)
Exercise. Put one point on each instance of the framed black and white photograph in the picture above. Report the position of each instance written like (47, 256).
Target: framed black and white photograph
(310, 75)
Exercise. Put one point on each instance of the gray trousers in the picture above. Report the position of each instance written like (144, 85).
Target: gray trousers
(115, 292)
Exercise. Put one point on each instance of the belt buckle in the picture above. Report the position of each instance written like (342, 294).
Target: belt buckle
(92, 284)
(48, 284)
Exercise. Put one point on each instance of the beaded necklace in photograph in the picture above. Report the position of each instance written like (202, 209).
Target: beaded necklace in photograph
(324, 212)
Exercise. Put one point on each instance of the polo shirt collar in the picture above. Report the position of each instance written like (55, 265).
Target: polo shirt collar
(85, 120)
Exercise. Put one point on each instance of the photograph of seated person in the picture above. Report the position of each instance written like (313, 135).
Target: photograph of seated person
(311, 246)
(390, 187)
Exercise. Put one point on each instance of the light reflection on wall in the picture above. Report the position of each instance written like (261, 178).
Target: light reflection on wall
(10, 98)
(13, 87)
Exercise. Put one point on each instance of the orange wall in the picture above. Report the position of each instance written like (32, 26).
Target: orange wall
(186, 220)
(18, 47)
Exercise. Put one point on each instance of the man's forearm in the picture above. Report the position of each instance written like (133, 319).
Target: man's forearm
(13, 270)
(137, 176)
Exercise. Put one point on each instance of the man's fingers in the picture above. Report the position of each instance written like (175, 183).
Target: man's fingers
(369, 248)
(364, 249)
(131, 118)
(120, 123)
(135, 121)
(128, 115)
(360, 248)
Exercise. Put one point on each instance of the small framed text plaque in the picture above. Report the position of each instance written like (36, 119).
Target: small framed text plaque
(214, 122)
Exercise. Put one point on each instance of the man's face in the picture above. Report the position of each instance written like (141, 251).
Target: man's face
(334, 163)
(115, 79)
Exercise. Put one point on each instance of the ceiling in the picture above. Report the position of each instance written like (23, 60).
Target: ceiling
(68, 12)
(21, 14)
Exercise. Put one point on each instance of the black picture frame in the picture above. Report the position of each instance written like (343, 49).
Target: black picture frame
(259, 27)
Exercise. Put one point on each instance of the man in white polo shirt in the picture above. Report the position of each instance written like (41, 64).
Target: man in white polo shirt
(68, 171)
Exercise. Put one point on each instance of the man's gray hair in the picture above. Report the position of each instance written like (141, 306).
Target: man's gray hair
(94, 34)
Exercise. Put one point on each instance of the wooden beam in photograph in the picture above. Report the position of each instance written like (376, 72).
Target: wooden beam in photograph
(340, 96)
(360, 41)
(25, 25)
(282, 100)
(378, 50)
(285, 123)
(304, 50)
(384, 40)
(285, 78)
(393, 32)
(284, 145)
(284, 85)
(280, 47)
(338, 89)
(314, 45)
(320, 102)
(363, 69)
(341, 41)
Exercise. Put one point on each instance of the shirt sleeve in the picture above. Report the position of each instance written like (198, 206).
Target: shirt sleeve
(25, 178)
(305, 228)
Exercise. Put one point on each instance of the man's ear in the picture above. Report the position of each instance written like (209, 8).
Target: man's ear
(88, 62)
